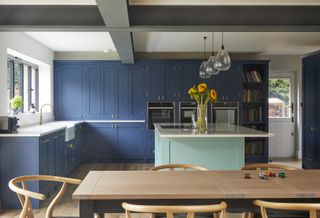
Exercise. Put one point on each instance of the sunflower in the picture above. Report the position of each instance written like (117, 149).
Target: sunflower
(202, 87)
(213, 94)
(192, 90)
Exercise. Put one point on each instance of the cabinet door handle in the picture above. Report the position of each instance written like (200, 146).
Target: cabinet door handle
(162, 97)
(112, 116)
(45, 141)
(159, 97)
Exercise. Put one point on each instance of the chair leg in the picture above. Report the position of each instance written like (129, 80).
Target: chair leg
(251, 214)
(244, 215)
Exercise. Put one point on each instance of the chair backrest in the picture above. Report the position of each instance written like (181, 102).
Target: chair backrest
(267, 166)
(190, 210)
(172, 167)
(24, 194)
(312, 208)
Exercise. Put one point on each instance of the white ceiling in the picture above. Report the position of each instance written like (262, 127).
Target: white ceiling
(166, 2)
(284, 43)
(246, 42)
(75, 41)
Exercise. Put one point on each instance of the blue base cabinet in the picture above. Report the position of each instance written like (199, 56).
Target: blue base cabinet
(45, 155)
(115, 143)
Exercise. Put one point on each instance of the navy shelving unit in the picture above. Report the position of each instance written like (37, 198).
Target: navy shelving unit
(255, 108)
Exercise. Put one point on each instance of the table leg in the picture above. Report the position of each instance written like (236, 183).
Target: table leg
(86, 209)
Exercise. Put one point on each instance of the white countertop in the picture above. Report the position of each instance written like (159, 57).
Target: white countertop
(214, 130)
(47, 128)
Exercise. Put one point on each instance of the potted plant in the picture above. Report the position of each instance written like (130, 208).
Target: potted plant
(16, 104)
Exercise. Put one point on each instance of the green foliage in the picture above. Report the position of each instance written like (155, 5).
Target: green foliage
(16, 102)
(279, 88)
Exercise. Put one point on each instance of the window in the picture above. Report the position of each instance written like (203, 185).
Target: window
(23, 80)
(279, 98)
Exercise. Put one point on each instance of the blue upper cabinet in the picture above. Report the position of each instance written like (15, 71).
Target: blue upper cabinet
(155, 78)
(137, 92)
(109, 93)
(172, 81)
(94, 83)
(189, 77)
(69, 91)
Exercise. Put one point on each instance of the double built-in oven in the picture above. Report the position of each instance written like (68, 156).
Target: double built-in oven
(221, 112)
(164, 112)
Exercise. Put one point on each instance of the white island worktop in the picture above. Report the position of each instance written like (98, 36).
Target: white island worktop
(214, 130)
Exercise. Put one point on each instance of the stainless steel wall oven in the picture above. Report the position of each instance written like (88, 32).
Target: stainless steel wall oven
(160, 112)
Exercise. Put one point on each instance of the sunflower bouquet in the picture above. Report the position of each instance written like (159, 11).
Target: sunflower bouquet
(202, 95)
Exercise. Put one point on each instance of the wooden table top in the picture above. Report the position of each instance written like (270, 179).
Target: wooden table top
(107, 185)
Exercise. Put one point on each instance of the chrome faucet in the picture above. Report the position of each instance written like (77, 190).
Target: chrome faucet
(41, 115)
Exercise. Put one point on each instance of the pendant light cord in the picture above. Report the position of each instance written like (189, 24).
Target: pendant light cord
(212, 41)
(204, 47)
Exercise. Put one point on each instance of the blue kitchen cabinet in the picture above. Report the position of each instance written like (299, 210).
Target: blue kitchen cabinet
(109, 93)
(101, 143)
(131, 142)
(172, 80)
(155, 77)
(189, 77)
(44, 146)
(59, 155)
(94, 90)
(110, 143)
(138, 93)
(150, 146)
(124, 98)
(69, 86)
(311, 101)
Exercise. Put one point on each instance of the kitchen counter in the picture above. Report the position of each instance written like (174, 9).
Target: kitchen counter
(41, 130)
(214, 130)
(47, 128)
(221, 148)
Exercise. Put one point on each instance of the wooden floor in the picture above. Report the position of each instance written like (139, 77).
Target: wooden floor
(70, 208)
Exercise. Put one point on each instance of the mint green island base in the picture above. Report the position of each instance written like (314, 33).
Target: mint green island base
(222, 148)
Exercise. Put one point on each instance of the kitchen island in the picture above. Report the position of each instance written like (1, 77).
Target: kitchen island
(222, 147)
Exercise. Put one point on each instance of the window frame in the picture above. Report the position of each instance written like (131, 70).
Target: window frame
(11, 63)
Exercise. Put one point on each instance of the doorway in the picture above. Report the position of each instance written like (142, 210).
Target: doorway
(282, 115)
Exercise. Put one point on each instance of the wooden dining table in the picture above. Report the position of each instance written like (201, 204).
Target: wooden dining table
(104, 191)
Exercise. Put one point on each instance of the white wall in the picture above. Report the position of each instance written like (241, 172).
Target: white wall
(23, 46)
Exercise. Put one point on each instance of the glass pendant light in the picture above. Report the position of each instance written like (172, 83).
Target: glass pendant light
(203, 70)
(223, 59)
(211, 64)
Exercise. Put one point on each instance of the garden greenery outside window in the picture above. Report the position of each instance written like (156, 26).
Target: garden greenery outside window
(23, 80)
(279, 98)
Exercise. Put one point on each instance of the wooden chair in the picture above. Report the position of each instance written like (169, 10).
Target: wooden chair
(215, 209)
(172, 167)
(267, 166)
(264, 166)
(24, 195)
(312, 208)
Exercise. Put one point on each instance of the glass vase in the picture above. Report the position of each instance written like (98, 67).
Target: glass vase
(202, 118)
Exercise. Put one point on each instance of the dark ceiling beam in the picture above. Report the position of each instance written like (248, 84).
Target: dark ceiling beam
(50, 15)
(159, 18)
(115, 15)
